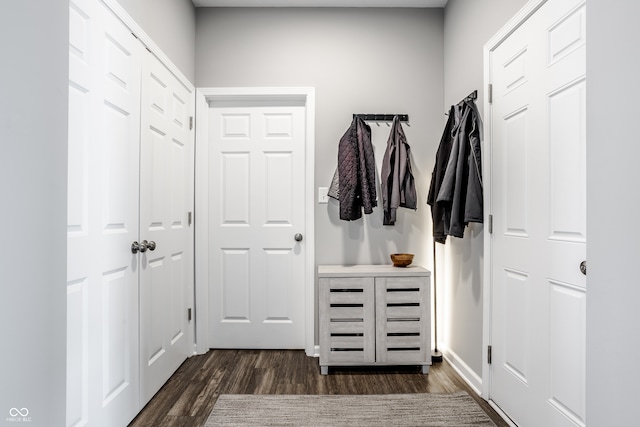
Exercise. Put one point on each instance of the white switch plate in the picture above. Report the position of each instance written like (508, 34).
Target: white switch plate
(323, 195)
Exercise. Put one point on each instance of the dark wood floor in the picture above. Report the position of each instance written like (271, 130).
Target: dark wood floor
(189, 395)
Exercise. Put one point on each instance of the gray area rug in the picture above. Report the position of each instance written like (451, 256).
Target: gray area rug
(426, 409)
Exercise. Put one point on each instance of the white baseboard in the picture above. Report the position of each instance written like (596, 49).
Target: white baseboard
(316, 351)
(468, 375)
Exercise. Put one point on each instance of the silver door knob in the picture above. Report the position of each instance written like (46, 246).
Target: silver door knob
(298, 237)
(138, 247)
(583, 267)
(151, 245)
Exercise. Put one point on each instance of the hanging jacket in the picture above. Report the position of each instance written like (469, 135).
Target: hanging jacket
(437, 176)
(356, 171)
(459, 198)
(396, 180)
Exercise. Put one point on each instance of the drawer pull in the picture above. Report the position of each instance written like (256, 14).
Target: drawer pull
(404, 304)
(403, 334)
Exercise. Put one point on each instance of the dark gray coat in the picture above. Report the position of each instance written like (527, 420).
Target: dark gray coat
(396, 180)
(459, 196)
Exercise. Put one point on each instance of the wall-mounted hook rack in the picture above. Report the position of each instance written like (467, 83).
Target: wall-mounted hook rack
(382, 117)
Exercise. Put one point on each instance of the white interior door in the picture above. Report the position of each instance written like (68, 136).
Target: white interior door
(166, 201)
(538, 193)
(256, 207)
(102, 291)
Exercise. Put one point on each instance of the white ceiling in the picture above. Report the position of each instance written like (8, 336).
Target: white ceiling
(319, 3)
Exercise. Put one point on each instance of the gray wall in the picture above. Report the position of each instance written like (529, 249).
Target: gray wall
(33, 185)
(359, 61)
(468, 25)
(171, 24)
(613, 201)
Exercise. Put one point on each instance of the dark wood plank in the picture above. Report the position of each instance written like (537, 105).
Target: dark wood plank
(188, 397)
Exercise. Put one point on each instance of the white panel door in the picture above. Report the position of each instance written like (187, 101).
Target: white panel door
(256, 206)
(539, 209)
(102, 302)
(166, 198)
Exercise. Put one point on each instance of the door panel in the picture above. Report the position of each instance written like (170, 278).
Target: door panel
(539, 208)
(256, 208)
(102, 302)
(165, 202)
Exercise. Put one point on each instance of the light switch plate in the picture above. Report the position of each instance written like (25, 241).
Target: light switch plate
(323, 195)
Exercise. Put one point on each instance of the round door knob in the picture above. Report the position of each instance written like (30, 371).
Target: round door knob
(298, 237)
(135, 247)
(583, 267)
(151, 245)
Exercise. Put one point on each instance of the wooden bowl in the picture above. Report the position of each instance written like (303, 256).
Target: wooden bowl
(401, 260)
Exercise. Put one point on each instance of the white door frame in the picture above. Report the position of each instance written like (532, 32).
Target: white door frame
(203, 97)
(487, 287)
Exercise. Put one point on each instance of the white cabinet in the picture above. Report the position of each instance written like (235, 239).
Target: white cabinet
(374, 315)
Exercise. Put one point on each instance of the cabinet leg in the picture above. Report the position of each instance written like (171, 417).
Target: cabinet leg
(425, 369)
(324, 370)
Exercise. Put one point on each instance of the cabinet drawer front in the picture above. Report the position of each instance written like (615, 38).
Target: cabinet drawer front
(405, 356)
(346, 296)
(346, 328)
(404, 327)
(404, 342)
(335, 283)
(397, 296)
(405, 312)
(349, 357)
(346, 313)
(338, 343)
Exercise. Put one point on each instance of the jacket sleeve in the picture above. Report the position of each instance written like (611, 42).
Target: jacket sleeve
(437, 176)
(348, 176)
(474, 205)
(367, 167)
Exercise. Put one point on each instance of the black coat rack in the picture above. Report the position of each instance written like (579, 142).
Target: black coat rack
(471, 97)
(436, 355)
(382, 117)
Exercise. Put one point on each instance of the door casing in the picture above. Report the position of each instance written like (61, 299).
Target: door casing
(203, 97)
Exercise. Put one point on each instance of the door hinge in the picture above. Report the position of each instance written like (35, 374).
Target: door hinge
(189, 314)
(490, 93)
(190, 122)
(490, 224)
(189, 218)
(489, 355)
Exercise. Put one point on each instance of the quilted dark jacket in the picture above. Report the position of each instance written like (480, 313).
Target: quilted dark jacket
(356, 171)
